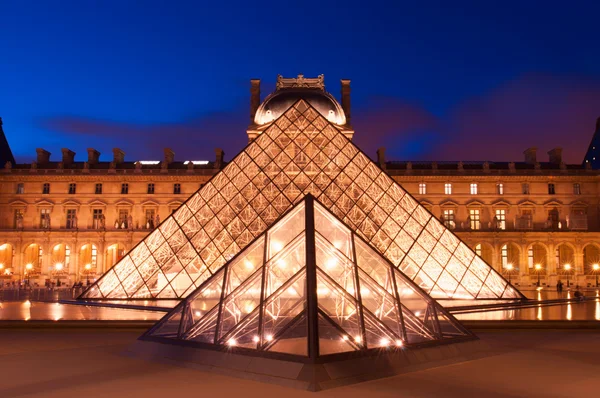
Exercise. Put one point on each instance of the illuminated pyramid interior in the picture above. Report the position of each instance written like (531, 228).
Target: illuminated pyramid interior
(300, 152)
(308, 290)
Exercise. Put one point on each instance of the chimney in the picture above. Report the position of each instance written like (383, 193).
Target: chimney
(346, 99)
(555, 155)
(219, 159)
(254, 98)
(43, 156)
(68, 156)
(118, 156)
(93, 156)
(169, 155)
(381, 158)
(530, 155)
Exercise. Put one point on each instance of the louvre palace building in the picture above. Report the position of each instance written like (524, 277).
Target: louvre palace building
(71, 218)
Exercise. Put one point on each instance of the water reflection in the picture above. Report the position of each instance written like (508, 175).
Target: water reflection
(38, 311)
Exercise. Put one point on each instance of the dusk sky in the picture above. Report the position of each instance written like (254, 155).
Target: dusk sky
(462, 80)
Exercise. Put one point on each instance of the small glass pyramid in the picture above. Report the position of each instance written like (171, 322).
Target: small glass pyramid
(300, 153)
(308, 287)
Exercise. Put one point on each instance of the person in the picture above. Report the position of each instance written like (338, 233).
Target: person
(559, 286)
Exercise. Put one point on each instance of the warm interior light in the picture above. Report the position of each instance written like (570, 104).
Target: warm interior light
(357, 339)
(88, 266)
(567, 266)
(399, 343)
(538, 266)
(58, 266)
(275, 247)
(29, 266)
(331, 263)
(596, 267)
(197, 313)
(256, 339)
(231, 342)
(248, 264)
(1, 266)
(3, 247)
(509, 266)
(344, 337)
(269, 337)
(384, 342)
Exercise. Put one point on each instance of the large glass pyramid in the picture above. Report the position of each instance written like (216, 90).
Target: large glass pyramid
(308, 287)
(299, 153)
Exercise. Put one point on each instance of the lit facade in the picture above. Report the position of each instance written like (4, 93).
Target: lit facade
(73, 220)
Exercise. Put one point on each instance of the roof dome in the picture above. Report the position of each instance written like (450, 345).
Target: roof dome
(284, 97)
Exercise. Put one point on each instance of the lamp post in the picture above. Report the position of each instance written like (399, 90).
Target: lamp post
(567, 268)
(58, 267)
(538, 268)
(88, 267)
(596, 268)
(509, 268)
(28, 269)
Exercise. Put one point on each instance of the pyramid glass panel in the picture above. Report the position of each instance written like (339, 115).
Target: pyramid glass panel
(308, 298)
(299, 153)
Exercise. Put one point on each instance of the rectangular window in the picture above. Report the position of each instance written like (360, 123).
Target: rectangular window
(98, 189)
(72, 189)
(46, 189)
(71, 219)
(20, 188)
(500, 189)
(150, 216)
(525, 188)
(176, 189)
(45, 218)
(18, 218)
(449, 218)
(474, 219)
(576, 189)
(504, 256)
(551, 189)
(478, 250)
(500, 219)
(124, 189)
(151, 188)
(473, 189)
(97, 218)
(448, 189)
(422, 188)
(123, 218)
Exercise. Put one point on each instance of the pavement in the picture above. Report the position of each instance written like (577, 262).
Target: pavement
(90, 363)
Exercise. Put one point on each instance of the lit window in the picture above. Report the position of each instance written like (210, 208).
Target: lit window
(501, 218)
(475, 219)
(151, 188)
(576, 189)
(449, 218)
(124, 189)
(45, 218)
(500, 189)
(97, 217)
(20, 188)
(72, 189)
(448, 189)
(551, 189)
(525, 188)
(46, 189)
(474, 189)
(478, 249)
(98, 189)
(422, 188)
(504, 255)
(176, 189)
(71, 215)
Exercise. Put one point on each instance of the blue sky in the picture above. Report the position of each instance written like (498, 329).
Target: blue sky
(464, 80)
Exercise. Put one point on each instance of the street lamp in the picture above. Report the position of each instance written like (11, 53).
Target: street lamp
(28, 269)
(538, 268)
(567, 268)
(596, 268)
(58, 267)
(509, 268)
(88, 267)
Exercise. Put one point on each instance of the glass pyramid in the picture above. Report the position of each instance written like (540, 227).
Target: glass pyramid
(308, 287)
(299, 153)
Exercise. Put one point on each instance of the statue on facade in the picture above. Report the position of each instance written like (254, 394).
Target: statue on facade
(86, 166)
(461, 166)
(434, 166)
(511, 167)
(8, 165)
(33, 165)
(138, 166)
(19, 221)
(61, 165)
(74, 223)
(190, 165)
(102, 221)
(130, 222)
(116, 224)
(486, 167)
(157, 220)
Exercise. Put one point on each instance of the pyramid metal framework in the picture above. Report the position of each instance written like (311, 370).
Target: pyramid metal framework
(308, 287)
(299, 153)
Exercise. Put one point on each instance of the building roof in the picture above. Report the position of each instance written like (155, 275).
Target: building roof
(6, 154)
